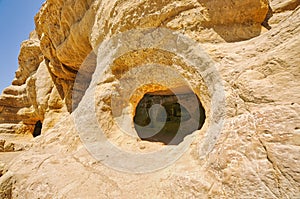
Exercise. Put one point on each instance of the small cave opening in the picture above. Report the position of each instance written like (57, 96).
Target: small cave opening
(37, 129)
(168, 118)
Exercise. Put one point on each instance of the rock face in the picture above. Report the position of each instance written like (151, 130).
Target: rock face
(254, 47)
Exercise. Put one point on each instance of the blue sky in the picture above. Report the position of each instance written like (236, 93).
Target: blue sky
(16, 22)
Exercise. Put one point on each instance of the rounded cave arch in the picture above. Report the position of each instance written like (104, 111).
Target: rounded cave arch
(146, 61)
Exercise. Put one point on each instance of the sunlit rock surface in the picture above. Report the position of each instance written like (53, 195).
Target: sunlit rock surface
(255, 46)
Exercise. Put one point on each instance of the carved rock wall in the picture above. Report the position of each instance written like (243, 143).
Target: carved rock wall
(67, 31)
(257, 152)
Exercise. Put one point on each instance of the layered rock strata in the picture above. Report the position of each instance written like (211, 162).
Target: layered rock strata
(255, 48)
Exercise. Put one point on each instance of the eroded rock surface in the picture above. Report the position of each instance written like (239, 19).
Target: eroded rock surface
(255, 46)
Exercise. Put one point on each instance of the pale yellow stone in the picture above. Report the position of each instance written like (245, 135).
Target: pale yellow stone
(257, 152)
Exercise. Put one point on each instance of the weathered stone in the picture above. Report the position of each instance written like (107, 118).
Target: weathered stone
(6, 183)
(2, 142)
(281, 6)
(255, 154)
(15, 101)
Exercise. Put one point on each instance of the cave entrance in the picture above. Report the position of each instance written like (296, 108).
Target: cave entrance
(37, 129)
(168, 118)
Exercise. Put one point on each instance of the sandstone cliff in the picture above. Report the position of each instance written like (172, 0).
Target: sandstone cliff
(254, 46)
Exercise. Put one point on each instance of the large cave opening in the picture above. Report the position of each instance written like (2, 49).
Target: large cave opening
(168, 118)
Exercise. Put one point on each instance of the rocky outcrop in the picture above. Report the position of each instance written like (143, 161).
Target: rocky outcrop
(68, 36)
(66, 32)
(254, 46)
(15, 100)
